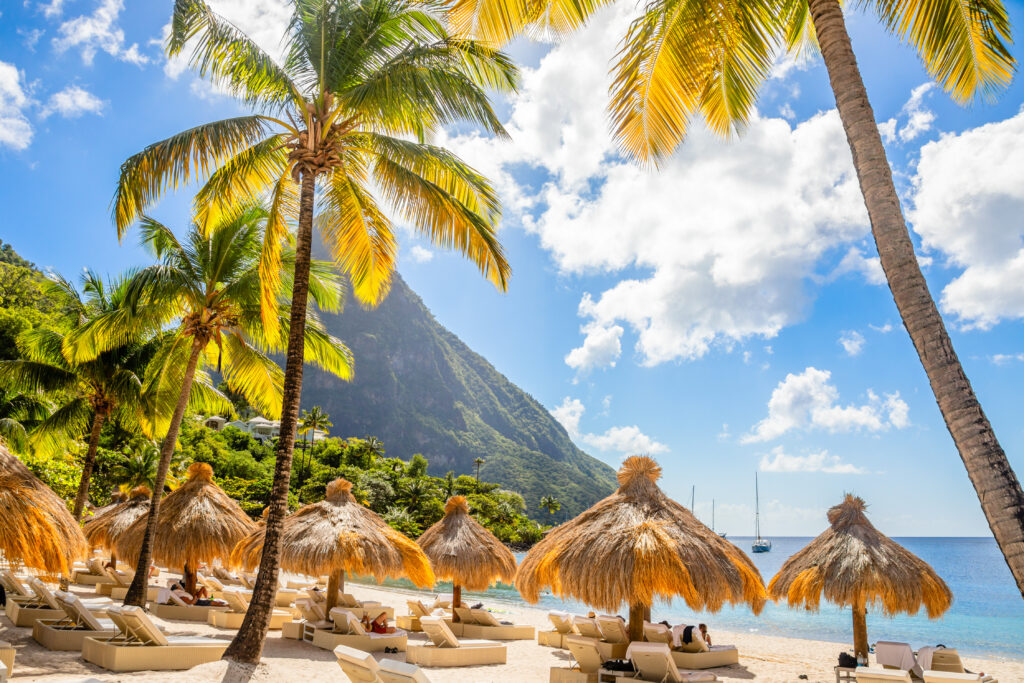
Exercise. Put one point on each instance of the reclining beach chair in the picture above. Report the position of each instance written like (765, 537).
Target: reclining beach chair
(442, 601)
(226, 577)
(16, 590)
(237, 607)
(178, 609)
(362, 667)
(347, 630)
(587, 662)
(6, 658)
(141, 646)
(23, 611)
(465, 615)
(447, 650)
(117, 582)
(893, 655)
(211, 583)
(589, 628)
(359, 607)
(485, 625)
(561, 623)
(93, 574)
(693, 655)
(77, 624)
(411, 621)
(653, 662)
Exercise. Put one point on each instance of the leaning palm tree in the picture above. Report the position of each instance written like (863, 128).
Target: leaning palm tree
(362, 85)
(210, 285)
(312, 421)
(683, 60)
(94, 391)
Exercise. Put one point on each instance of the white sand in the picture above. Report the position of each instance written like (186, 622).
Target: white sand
(762, 658)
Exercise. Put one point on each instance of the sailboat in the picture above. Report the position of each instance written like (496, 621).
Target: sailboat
(722, 534)
(760, 545)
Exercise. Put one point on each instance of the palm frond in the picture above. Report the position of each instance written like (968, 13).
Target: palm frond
(232, 59)
(965, 44)
(178, 160)
(254, 375)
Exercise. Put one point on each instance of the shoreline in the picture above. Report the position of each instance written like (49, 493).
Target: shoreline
(768, 658)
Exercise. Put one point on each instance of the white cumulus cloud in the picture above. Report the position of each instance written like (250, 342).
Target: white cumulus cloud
(15, 129)
(99, 31)
(968, 204)
(72, 102)
(420, 255)
(780, 461)
(625, 440)
(602, 344)
(809, 401)
(919, 117)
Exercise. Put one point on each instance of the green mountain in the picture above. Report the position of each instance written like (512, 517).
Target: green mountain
(420, 389)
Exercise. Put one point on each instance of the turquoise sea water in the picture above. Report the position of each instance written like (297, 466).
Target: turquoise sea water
(987, 616)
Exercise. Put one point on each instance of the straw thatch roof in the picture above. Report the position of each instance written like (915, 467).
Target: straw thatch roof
(197, 524)
(36, 528)
(340, 535)
(852, 561)
(103, 530)
(638, 545)
(463, 551)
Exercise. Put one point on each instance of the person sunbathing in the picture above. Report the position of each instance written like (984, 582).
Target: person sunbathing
(201, 598)
(380, 624)
(704, 633)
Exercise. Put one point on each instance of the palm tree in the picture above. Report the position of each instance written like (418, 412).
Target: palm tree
(210, 285)
(312, 421)
(141, 465)
(91, 392)
(551, 504)
(19, 414)
(363, 83)
(684, 59)
(478, 461)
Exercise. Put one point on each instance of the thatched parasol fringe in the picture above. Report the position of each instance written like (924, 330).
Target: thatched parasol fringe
(36, 529)
(462, 551)
(852, 564)
(198, 523)
(338, 535)
(102, 531)
(637, 546)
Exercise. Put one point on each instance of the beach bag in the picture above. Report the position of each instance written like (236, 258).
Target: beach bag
(619, 665)
(847, 661)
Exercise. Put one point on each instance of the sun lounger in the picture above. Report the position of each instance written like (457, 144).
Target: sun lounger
(116, 580)
(227, 577)
(587, 662)
(346, 629)
(653, 662)
(944, 659)
(447, 650)
(94, 574)
(77, 624)
(141, 646)
(869, 675)
(561, 623)
(954, 677)
(15, 588)
(693, 655)
(23, 611)
(7, 658)
(442, 601)
(485, 625)
(589, 628)
(361, 607)
(362, 667)
(237, 607)
(211, 583)
(179, 610)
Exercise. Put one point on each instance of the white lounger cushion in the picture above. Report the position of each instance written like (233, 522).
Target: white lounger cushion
(441, 636)
(562, 621)
(613, 629)
(587, 627)
(654, 662)
(392, 671)
(867, 675)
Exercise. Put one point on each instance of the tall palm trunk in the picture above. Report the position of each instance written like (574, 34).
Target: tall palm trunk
(995, 482)
(248, 643)
(137, 591)
(90, 460)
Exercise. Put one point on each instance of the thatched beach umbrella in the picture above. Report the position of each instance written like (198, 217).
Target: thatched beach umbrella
(198, 523)
(463, 551)
(638, 545)
(853, 563)
(339, 535)
(103, 530)
(36, 528)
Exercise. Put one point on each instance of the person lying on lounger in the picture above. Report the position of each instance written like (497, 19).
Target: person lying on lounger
(200, 599)
(380, 624)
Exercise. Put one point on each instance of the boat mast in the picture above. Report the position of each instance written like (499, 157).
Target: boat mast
(693, 494)
(757, 510)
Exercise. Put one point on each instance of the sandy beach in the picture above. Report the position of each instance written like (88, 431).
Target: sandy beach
(762, 658)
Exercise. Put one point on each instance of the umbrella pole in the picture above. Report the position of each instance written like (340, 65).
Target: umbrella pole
(638, 614)
(456, 600)
(113, 560)
(334, 584)
(860, 631)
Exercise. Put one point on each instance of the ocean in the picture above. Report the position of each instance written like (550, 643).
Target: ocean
(986, 618)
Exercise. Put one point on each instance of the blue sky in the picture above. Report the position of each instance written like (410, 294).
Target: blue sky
(725, 314)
